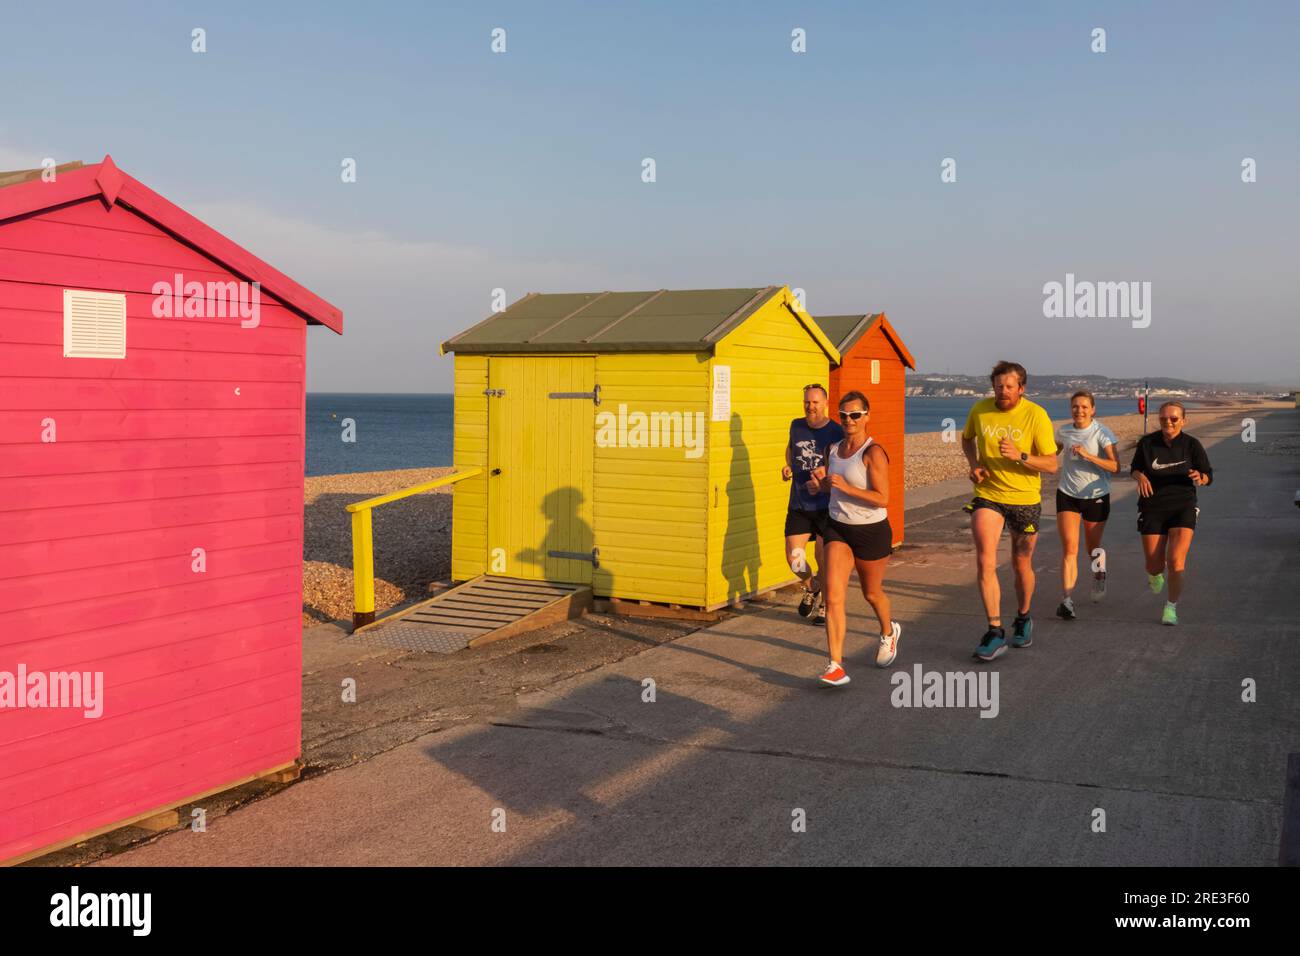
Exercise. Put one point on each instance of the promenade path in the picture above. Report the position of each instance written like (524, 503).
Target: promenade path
(1111, 712)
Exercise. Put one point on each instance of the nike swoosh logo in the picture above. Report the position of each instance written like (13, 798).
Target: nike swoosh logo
(1157, 465)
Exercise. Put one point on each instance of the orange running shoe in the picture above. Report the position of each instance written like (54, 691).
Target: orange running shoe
(834, 675)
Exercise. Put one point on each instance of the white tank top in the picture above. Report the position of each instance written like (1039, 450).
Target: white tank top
(853, 469)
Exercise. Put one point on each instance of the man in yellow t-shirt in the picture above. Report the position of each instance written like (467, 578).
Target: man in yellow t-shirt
(1009, 443)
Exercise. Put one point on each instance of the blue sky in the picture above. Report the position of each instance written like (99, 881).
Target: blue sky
(818, 170)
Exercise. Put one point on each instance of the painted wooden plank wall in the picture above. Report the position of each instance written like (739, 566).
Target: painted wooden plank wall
(651, 504)
(73, 650)
(771, 357)
(195, 439)
(210, 764)
(888, 405)
(21, 784)
(469, 497)
(541, 499)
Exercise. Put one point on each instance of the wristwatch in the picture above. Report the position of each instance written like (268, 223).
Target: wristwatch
(1024, 456)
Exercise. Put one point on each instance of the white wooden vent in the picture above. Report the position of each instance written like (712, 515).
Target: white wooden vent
(94, 324)
(875, 371)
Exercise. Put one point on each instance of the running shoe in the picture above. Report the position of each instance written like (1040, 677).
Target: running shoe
(808, 602)
(888, 649)
(834, 675)
(1098, 586)
(1157, 582)
(1022, 632)
(1066, 609)
(992, 644)
(1170, 615)
(820, 617)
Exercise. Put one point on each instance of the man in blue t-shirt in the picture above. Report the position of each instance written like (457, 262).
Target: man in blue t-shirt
(809, 511)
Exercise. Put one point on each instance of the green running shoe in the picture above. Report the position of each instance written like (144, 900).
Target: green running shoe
(1170, 616)
(992, 645)
(1157, 582)
(1022, 631)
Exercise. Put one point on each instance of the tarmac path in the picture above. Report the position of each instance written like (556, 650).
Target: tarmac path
(1111, 712)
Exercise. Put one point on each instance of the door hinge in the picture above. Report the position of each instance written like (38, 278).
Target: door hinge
(494, 392)
(594, 557)
(594, 395)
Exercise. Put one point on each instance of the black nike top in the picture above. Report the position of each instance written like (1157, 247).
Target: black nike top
(1167, 467)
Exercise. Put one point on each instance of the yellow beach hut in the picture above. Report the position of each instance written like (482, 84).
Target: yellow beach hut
(632, 441)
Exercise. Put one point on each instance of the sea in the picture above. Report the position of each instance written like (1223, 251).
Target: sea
(390, 432)
(415, 431)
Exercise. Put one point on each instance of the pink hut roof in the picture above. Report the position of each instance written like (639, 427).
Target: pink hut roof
(115, 187)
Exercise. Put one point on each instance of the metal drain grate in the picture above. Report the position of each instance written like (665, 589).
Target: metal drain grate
(407, 636)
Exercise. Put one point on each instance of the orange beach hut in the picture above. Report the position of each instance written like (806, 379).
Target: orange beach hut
(874, 361)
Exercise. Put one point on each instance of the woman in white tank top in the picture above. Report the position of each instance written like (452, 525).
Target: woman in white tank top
(859, 536)
(844, 507)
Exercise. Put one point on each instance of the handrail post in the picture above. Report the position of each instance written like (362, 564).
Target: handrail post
(363, 569)
(363, 545)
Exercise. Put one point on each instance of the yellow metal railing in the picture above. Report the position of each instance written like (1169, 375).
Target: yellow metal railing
(363, 545)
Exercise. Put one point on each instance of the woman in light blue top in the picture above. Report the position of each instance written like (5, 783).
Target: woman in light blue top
(1089, 457)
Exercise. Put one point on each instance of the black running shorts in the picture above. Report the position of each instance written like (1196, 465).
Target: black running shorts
(799, 521)
(1092, 509)
(1160, 520)
(868, 542)
(1021, 519)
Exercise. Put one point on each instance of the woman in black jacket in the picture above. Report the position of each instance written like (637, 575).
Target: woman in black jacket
(1168, 466)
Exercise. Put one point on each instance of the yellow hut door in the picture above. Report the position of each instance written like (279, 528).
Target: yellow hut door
(541, 432)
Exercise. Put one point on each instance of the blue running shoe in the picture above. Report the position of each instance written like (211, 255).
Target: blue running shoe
(1022, 632)
(992, 644)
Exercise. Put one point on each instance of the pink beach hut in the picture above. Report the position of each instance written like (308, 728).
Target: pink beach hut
(152, 395)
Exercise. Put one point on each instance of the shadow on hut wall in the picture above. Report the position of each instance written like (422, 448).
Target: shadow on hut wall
(566, 530)
(740, 559)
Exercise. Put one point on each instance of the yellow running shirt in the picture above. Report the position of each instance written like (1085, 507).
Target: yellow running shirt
(1009, 482)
